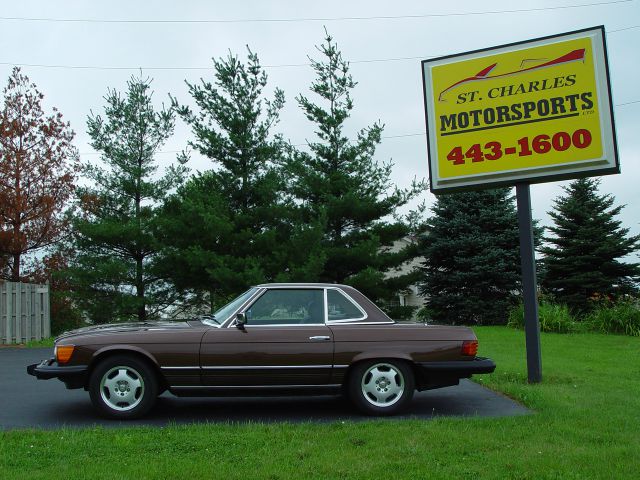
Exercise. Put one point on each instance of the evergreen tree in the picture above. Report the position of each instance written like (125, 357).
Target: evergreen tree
(582, 258)
(230, 227)
(113, 271)
(341, 186)
(471, 273)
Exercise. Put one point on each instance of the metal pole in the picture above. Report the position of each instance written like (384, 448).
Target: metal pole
(529, 283)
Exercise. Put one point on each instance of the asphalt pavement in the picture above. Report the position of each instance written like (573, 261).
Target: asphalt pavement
(26, 402)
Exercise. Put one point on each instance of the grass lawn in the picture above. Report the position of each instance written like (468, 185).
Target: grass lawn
(587, 426)
(45, 342)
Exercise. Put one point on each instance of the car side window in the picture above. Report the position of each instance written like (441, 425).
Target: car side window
(287, 307)
(341, 308)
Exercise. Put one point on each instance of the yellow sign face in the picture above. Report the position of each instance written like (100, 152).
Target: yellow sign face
(530, 112)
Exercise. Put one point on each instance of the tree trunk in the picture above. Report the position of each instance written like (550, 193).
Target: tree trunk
(15, 268)
(142, 311)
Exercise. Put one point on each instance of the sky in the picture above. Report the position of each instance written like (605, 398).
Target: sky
(76, 50)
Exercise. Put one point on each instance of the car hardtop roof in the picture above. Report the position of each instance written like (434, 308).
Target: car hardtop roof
(302, 284)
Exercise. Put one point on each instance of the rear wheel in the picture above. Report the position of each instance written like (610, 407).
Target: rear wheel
(123, 387)
(381, 387)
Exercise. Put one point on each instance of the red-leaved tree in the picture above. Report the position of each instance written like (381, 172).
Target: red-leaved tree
(38, 165)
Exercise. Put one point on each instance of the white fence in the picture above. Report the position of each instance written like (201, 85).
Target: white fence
(24, 312)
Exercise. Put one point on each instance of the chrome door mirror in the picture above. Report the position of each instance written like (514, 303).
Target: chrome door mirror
(241, 320)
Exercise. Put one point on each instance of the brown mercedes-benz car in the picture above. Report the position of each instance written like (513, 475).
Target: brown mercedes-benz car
(272, 339)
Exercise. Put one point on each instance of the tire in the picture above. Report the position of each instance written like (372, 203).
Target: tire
(123, 387)
(381, 387)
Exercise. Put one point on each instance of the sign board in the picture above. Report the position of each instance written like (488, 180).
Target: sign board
(528, 112)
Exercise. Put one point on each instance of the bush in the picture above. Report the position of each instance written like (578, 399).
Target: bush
(400, 312)
(64, 316)
(424, 314)
(554, 318)
(621, 317)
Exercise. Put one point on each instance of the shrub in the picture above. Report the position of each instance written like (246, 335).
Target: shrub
(400, 312)
(621, 317)
(424, 314)
(516, 317)
(64, 315)
(553, 317)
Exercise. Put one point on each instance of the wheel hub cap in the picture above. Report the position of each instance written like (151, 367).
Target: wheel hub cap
(122, 388)
(383, 385)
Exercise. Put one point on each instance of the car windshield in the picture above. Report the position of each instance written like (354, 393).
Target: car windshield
(223, 313)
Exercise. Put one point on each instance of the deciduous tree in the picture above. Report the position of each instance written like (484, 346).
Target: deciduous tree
(38, 164)
(64, 312)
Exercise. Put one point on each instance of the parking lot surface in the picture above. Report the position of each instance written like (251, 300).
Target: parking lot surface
(26, 402)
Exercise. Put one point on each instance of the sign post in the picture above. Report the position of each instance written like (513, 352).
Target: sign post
(529, 283)
(527, 112)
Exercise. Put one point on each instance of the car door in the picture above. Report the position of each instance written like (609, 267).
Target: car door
(285, 342)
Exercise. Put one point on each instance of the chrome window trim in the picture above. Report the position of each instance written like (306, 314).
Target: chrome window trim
(264, 290)
(232, 318)
(292, 286)
(287, 325)
(349, 298)
(351, 322)
(326, 306)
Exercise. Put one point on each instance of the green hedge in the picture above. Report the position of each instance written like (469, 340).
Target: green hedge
(621, 318)
(554, 318)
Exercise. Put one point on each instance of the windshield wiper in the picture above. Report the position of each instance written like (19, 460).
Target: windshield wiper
(211, 317)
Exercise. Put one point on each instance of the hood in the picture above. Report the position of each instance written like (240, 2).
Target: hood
(125, 328)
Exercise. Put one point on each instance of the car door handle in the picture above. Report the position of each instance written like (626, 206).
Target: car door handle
(320, 338)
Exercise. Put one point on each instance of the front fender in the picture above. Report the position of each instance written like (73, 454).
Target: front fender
(122, 348)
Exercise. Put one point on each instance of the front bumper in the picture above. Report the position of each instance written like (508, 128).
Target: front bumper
(73, 376)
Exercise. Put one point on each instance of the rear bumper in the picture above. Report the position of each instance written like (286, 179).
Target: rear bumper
(461, 368)
(73, 376)
(442, 374)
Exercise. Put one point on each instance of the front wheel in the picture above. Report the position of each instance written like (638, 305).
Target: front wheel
(381, 387)
(123, 387)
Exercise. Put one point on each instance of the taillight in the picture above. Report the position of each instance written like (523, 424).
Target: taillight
(470, 348)
(63, 353)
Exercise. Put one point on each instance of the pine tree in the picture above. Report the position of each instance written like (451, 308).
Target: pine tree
(471, 273)
(341, 187)
(116, 252)
(582, 258)
(230, 227)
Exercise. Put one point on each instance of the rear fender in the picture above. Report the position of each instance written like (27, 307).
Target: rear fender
(382, 354)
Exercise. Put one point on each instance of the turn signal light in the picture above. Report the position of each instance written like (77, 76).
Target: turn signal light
(63, 353)
(470, 348)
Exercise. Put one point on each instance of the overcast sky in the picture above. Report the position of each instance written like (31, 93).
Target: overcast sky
(101, 44)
